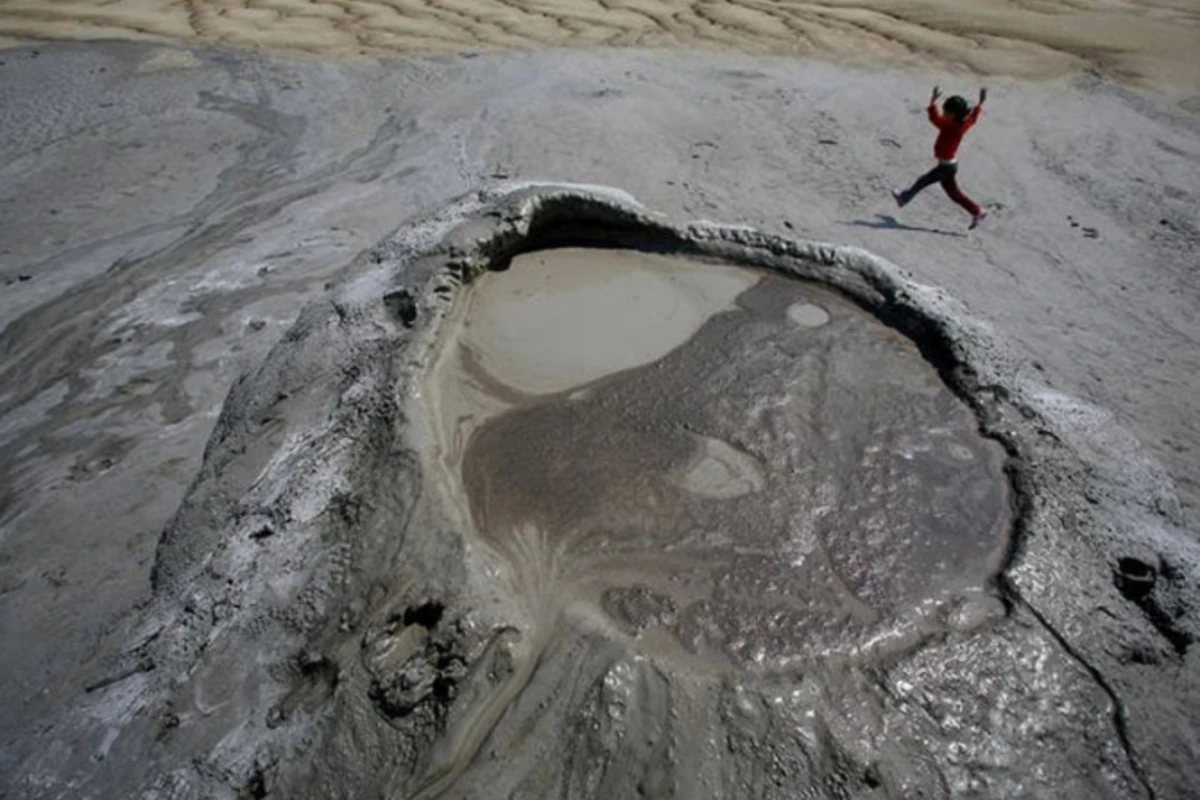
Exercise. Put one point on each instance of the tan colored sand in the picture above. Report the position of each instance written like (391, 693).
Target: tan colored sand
(1155, 41)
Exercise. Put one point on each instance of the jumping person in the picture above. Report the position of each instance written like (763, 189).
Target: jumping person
(952, 122)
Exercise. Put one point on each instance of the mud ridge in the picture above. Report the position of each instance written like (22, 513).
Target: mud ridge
(1119, 712)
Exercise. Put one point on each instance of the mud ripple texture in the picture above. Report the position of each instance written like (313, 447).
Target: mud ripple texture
(1149, 42)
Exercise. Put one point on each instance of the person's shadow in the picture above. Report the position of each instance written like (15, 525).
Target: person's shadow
(886, 222)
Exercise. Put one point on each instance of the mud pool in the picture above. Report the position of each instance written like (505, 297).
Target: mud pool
(726, 468)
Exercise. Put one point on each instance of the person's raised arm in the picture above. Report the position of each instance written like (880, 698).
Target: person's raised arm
(935, 114)
(978, 109)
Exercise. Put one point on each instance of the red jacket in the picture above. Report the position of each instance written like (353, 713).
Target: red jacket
(951, 131)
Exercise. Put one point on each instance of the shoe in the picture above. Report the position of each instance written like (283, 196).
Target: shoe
(901, 200)
(975, 220)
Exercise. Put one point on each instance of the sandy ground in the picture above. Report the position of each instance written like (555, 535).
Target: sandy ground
(1153, 42)
(164, 216)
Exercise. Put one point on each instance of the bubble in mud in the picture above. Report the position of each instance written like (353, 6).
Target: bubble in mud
(808, 315)
(960, 453)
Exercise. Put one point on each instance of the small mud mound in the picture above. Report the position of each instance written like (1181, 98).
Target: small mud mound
(536, 518)
(784, 472)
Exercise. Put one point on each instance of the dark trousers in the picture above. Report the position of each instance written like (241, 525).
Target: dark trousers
(946, 175)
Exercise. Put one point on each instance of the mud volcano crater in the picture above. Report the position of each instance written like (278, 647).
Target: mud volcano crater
(702, 512)
(723, 466)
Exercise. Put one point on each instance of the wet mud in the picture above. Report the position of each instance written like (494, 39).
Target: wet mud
(791, 482)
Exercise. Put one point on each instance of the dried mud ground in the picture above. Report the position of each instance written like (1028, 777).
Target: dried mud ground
(165, 215)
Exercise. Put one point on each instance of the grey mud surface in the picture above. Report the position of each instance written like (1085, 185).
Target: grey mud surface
(764, 495)
(226, 568)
